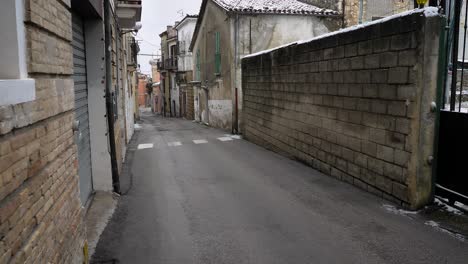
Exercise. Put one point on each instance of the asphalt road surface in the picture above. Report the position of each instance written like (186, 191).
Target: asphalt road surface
(220, 199)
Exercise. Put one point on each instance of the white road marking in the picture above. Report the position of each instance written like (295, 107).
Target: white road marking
(233, 136)
(225, 139)
(145, 146)
(174, 144)
(200, 141)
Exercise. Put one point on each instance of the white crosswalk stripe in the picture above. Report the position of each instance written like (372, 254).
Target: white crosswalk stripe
(233, 136)
(200, 141)
(145, 146)
(174, 144)
(225, 139)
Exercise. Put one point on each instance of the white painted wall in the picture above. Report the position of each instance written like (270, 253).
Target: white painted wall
(129, 106)
(174, 95)
(220, 112)
(15, 87)
(100, 157)
(184, 35)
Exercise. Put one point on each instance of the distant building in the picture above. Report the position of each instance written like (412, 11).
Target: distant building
(227, 30)
(184, 76)
(168, 70)
(143, 99)
(360, 11)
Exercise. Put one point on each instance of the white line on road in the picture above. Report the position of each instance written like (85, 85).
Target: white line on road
(200, 141)
(225, 139)
(145, 146)
(174, 144)
(233, 136)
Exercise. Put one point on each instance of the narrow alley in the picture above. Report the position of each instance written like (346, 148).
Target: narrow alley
(200, 196)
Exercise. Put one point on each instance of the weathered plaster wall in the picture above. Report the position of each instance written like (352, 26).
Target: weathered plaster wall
(353, 105)
(218, 87)
(263, 32)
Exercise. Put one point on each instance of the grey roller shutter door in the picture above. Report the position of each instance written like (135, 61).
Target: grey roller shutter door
(82, 137)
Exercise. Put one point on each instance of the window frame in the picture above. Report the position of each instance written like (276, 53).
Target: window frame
(15, 86)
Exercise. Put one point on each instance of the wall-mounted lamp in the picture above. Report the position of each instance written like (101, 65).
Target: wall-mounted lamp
(135, 29)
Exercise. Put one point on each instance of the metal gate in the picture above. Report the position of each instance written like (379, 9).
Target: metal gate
(82, 137)
(452, 171)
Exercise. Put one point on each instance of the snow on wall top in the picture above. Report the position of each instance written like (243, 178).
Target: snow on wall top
(292, 7)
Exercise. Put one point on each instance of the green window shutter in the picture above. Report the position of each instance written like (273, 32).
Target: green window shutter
(218, 53)
(198, 66)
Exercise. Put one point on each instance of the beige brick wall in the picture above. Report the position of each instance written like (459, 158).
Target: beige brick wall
(41, 218)
(353, 105)
(352, 9)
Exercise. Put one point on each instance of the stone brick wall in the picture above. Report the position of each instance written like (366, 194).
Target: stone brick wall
(41, 219)
(354, 105)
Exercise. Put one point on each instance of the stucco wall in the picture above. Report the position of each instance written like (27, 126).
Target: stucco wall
(355, 106)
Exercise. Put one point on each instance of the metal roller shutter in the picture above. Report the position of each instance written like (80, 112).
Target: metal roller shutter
(82, 137)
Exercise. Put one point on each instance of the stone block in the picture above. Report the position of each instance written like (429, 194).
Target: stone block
(398, 75)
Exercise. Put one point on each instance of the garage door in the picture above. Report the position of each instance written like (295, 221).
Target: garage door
(81, 110)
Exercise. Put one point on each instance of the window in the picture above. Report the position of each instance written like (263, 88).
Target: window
(198, 66)
(217, 53)
(15, 87)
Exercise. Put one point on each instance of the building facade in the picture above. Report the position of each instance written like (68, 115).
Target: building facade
(218, 47)
(57, 96)
(360, 11)
(168, 69)
(184, 77)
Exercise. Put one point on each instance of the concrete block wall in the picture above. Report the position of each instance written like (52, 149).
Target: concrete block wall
(354, 105)
(41, 218)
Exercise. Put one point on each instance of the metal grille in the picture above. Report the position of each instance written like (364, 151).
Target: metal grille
(456, 88)
(452, 178)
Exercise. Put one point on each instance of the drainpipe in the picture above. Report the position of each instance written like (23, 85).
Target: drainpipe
(361, 10)
(110, 98)
(235, 123)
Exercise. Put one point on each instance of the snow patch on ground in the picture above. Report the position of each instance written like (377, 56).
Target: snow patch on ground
(428, 12)
(233, 136)
(437, 226)
(138, 126)
(448, 208)
(394, 210)
(463, 206)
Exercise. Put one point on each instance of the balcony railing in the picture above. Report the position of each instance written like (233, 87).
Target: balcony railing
(170, 63)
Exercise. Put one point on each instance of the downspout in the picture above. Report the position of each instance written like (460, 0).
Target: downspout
(361, 10)
(235, 124)
(343, 12)
(109, 98)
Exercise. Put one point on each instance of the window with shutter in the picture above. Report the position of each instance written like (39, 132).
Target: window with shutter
(198, 66)
(217, 53)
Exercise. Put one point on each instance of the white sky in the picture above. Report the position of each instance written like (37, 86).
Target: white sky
(156, 16)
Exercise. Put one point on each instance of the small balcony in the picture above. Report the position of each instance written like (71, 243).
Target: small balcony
(170, 63)
(128, 13)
